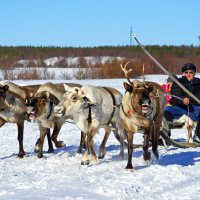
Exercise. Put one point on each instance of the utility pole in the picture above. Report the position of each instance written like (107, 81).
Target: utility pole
(199, 40)
(131, 38)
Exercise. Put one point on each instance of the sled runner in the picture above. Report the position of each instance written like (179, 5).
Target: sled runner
(180, 143)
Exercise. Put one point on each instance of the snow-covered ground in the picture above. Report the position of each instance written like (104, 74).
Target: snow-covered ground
(60, 175)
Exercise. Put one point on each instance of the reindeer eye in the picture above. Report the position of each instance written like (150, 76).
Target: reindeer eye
(42, 101)
(74, 98)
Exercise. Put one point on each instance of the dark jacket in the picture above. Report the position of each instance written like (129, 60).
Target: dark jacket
(193, 86)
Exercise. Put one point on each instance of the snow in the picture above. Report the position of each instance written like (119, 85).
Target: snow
(72, 61)
(60, 175)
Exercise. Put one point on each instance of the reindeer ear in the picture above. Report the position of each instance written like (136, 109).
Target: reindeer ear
(66, 87)
(128, 87)
(43, 95)
(5, 88)
(82, 93)
(150, 88)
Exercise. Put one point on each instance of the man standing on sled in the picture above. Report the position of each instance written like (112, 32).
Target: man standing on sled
(183, 104)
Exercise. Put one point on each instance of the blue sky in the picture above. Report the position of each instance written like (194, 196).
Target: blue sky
(89, 23)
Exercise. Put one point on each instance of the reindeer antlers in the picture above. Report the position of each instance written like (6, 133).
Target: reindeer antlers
(126, 71)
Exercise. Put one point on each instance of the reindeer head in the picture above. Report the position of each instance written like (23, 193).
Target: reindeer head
(3, 102)
(72, 99)
(38, 105)
(139, 93)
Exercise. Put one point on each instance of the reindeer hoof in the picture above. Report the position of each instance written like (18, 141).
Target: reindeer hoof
(40, 155)
(60, 144)
(37, 148)
(51, 150)
(147, 156)
(21, 154)
(79, 151)
(129, 167)
(102, 153)
(85, 162)
(101, 156)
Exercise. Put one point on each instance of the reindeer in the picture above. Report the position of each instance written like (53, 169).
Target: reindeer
(13, 109)
(92, 108)
(142, 107)
(40, 109)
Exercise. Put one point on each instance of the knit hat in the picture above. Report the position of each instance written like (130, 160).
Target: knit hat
(188, 66)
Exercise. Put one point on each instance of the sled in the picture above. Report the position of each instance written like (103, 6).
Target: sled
(179, 143)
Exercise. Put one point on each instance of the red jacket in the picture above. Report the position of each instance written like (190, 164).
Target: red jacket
(167, 88)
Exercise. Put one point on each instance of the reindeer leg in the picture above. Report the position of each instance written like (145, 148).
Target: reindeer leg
(121, 154)
(20, 126)
(119, 134)
(82, 142)
(37, 144)
(130, 150)
(2, 122)
(94, 157)
(146, 154)
(102, 149)
(43, 132)
(50, 150)
(155, 130)
(56, 130)
(86, 156)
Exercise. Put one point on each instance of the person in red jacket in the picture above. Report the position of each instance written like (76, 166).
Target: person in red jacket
(167, 88)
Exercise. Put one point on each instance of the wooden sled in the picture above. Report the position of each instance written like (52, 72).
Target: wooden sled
(175, 142)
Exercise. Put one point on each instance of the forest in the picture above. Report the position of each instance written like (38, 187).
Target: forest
(171, 57)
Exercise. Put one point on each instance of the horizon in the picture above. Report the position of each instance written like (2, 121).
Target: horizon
(81, 24)
(109, 46)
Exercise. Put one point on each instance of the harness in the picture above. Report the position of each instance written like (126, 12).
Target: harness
(133, 109)
(51, 109)
(89, 105)
(114, 103)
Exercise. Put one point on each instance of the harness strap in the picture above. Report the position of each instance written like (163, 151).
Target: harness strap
(114, 104)
(51, 108)
(89, 112)
(123, 110)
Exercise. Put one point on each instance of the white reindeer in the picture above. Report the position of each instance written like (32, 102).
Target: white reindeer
(92, 108)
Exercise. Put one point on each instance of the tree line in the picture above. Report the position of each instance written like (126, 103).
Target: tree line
(171, 57)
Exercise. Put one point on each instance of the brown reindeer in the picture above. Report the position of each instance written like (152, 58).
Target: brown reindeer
(142, 107)
(13, 110)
